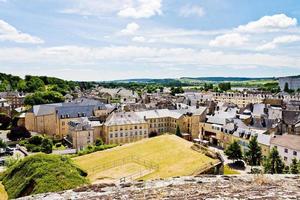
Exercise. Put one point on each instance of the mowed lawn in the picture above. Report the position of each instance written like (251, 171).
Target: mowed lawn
(173, 155)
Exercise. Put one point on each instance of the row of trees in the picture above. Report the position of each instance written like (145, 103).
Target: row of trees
(272, 164)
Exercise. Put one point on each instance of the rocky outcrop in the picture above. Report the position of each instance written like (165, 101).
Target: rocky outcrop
(258, 187)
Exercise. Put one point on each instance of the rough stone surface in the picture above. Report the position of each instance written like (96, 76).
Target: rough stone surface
(252, 187)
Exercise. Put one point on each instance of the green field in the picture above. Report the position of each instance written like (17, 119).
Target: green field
(172, 154)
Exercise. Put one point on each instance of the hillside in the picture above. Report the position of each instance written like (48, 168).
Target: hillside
(42, 173)
(172, 155)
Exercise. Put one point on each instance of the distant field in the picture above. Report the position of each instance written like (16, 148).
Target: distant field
(172, 154)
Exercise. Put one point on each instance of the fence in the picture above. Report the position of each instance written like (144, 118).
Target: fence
(150, 167)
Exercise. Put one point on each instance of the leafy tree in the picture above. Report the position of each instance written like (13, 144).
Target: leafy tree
(286, 87)
(273, 163)
(4, 121)
(35, 84)
(294, 167)
(99, 142)
(178, 132)
(5, 86)
(234, 151)
(17, 133)
(225, 86)
(21, 86)
(176, 90)
(46, 145)
(2, 144)
(254, 154)
(43, 98)
(36, 140)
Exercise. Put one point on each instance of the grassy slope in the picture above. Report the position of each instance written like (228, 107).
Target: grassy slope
(41, 173)
(173, 154)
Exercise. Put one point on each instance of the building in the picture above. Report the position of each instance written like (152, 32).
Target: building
(15, 99)
(5, 107)
(288, 147)
(124, 127)
(53, 119)
(292, 82)
(81, 133)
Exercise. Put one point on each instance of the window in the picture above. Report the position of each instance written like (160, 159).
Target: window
(62, 123)
(121, 134)
(111, 135)
(295, 153)
(285, 158)
(116, 134)
(286, 150)
(135, 127)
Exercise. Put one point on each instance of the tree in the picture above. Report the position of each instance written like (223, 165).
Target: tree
(254, 154)
(43, 98)
(234, 151)
(99, 142)
(4, 121)
(21, 86)
(17, 133)
(286, 87)
(294, 167)
(2, 144)
(178, 132)
(46, 146)
(224, 86)
(273, 163)
(35, 84)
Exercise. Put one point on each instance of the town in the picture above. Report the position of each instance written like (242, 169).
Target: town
(234, 131)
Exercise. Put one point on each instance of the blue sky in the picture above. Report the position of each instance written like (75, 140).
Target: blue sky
(119, 39)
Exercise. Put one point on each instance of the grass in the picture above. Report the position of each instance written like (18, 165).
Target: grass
(229, 171)
(173, 155)
(42, 173)
(3, 194)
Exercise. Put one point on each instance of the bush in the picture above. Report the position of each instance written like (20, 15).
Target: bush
(4, 121)
(99, 142)
(17, 133)
(57, 145)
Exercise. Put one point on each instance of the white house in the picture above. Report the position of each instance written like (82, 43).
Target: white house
(288, 147)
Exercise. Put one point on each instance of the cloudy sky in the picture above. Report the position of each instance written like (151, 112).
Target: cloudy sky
(119, 39)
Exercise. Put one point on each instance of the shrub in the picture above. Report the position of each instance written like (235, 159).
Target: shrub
(17, 133)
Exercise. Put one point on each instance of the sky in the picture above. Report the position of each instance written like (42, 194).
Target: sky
(120, 39)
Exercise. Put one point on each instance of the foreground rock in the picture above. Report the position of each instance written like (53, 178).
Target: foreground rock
(202, 187)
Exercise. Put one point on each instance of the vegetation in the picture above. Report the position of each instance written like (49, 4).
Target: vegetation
(234, 151)
(176, 90)
(273, 163)
(173, 155)
(4, 121)
(224, 86)
(38, 144)
(17, 133)
(253, 155)
(42, 173)
(294, 167)
(2, 144)
(178, 132)
(44, 98)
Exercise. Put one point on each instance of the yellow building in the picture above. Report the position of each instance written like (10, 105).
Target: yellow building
(53, 119)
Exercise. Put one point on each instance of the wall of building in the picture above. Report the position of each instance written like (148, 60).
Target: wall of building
(287, 154)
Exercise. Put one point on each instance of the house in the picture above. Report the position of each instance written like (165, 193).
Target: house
(80, 133)
(288, 147)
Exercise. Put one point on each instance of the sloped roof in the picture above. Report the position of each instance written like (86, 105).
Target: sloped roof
(288, 141)
(123, 118)
(159, 113)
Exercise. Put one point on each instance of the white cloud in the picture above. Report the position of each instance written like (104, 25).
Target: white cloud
(142, 9)
(190, 10)
(69, 56)
(10, 33)
(285, 39)
(269, 24)
(96, 7)
(228, 40)
(130, 29)
(138, 39)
